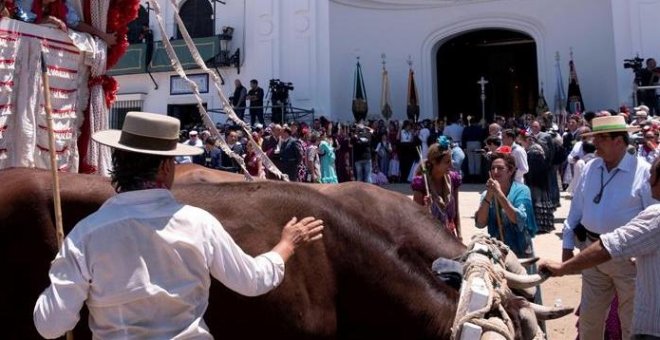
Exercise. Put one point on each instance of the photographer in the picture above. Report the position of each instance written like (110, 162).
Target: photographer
(361, 141)
(648, 77)
(279, 96)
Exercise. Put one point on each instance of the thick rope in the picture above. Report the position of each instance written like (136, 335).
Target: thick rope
(176, 65)
(497, 290)
(217, 82)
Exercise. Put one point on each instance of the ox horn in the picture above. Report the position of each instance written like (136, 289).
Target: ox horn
(528, 261)
(549, 313)
(523, 281)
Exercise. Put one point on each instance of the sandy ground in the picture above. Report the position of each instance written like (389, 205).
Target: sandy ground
(547, 246)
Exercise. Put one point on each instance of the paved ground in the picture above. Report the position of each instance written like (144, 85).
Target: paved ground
(567, 288)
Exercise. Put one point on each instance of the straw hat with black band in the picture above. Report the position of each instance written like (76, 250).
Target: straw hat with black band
(609, 124)
(147, 133)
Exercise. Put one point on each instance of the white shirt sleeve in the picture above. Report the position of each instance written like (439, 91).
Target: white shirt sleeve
(240, 272)
(58, 308)
(574, 213)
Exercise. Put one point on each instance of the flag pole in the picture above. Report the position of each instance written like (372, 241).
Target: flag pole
(57, 203)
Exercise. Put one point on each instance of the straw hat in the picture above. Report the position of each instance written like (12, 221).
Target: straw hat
(147, 133)
(609, 124)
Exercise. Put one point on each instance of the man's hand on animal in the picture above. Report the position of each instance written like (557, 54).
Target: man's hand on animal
(552, 268)
(297, 233)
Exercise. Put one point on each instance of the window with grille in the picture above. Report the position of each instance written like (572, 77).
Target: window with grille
(119, 110)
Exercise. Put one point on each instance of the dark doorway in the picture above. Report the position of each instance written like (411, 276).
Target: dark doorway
(197, 16)
(506, 59)
(187, 114)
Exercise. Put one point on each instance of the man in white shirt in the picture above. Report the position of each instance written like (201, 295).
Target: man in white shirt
(454, 130)
(613, 189)
(141, 262)
(193, 140)
(639, 238)
(519, 155)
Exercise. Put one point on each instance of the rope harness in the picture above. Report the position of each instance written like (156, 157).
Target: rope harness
(485, 253)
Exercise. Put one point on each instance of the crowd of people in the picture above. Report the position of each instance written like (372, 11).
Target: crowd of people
(603, 159)
(526, 162)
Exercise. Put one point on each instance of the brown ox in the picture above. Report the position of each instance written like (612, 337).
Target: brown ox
(354, 284)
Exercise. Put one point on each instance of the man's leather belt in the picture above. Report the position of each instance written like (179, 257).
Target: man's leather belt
(593, 236)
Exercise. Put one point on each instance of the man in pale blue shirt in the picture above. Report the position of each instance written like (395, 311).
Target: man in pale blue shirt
(639, 238)
(613, 190)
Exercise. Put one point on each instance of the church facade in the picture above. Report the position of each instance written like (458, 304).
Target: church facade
(315, 45)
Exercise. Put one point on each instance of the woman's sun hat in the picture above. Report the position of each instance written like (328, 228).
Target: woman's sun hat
(148, 133)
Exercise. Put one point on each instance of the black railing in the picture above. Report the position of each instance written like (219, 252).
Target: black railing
(289, 113)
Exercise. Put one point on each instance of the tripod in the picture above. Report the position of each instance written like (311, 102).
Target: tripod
(280, 105)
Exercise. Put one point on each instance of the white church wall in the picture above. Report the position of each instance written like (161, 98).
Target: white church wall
(556, 25)
(286, 40)
(314, 45)
(636, 32)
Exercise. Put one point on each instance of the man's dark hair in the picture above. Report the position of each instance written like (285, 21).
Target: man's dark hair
(588, 147)
(509, 133)
(493, 140)
(210, 141)
(254, 81)
(623, 134)
(588, 116)
(132, 170)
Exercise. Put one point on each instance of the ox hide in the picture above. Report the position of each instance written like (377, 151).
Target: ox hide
(369, 276)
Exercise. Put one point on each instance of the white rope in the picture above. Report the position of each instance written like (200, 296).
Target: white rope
(497, 288)
(268, 164)
(176, 65)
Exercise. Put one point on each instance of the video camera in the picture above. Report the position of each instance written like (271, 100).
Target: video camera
(636, 64)
(279, 96)
(278, 86)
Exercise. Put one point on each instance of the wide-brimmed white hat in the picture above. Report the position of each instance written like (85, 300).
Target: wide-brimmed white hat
(609, 124)
(147, 133)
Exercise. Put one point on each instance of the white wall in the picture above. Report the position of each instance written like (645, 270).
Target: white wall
(556, 25)
(636, 32)
(287, 40)
(314, 44)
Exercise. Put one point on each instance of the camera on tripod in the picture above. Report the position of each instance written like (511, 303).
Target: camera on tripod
(279, 96)
(278, 86)
(636, 64)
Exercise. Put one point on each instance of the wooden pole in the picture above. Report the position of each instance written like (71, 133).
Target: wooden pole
(423, 165)
(500, 227)
(59, 228)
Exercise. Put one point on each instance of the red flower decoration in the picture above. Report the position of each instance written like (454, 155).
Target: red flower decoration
(504, 149)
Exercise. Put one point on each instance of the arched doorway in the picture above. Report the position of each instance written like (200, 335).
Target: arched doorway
(197, 16)
(505, 58)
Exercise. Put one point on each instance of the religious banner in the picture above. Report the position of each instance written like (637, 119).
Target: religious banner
(541, 104)
(574, 103)
(360, 107)
(385, 106)
(560, 97)
(412, 110)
